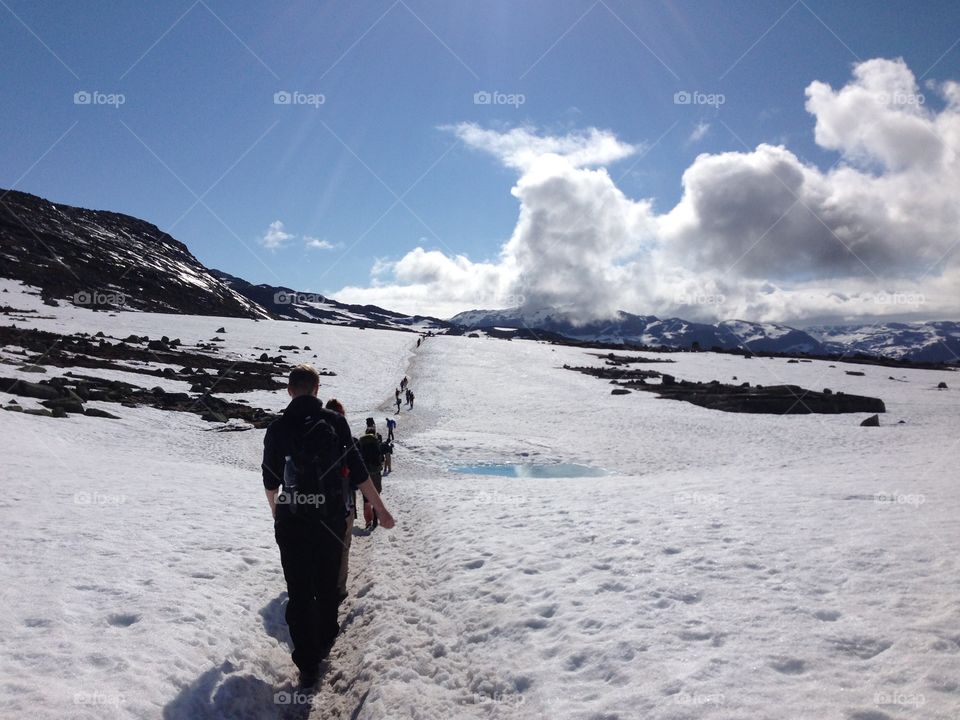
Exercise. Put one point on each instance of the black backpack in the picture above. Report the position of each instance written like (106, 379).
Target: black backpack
(313, 480)
(369, 446)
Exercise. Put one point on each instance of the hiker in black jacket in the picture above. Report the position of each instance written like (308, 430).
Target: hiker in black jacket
(305, 451)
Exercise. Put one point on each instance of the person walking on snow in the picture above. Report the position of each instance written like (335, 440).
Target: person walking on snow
(337, 407)
(304, 451)
(386, 449)
(391, 426)
(369, 446)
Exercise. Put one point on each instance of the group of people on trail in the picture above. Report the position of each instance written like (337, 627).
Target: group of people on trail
(407, 394)
(310, 452)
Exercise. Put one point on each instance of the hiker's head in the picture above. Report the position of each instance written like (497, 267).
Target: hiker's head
(336, 406)
(371, 431)
(304, 380)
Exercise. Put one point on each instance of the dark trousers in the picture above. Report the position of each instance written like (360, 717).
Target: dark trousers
(310, 552)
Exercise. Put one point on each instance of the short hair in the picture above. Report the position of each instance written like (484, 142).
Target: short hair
(304, 378)
(336, 406)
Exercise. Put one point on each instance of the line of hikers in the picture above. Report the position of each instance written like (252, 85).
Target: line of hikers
(310, 452)
(407, 394)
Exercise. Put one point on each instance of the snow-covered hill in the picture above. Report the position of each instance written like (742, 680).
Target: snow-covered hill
(106, 260)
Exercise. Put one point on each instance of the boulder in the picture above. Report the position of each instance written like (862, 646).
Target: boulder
(33, 390)
(872, 421)
(66, 404)
(97, 412)
(941, 386)
(37, 368)
(619, 391)
(222, 330)
(855, 372)
(38, 411)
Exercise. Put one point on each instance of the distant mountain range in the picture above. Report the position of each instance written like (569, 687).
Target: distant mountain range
(106, 260)
(917, 342)
(287, 304)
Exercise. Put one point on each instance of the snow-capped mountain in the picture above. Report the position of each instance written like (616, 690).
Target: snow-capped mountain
(107, 260)
(651, 330)
(937, 341)
(917, 342)
(288, 304)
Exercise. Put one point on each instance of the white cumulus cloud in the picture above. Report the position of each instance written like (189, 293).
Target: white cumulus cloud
(760, 235)
(275, 237)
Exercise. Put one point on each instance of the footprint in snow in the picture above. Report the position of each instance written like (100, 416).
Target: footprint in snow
(863, 648)
(123, 619)
(827, 615)
(671, 551)
(474, 564)
(788, 666)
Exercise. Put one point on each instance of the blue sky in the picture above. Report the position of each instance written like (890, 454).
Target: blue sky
(376, 171)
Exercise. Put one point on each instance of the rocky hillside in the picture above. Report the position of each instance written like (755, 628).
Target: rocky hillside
(107, 260)
(288, 304)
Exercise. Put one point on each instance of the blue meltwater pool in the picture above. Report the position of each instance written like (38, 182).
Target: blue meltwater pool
(531, 470)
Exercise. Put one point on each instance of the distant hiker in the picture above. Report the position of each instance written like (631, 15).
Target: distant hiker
(386, 449)
(419, 340)
(408, 394)
(398, 404)
(351, 509)
(412, 398)
(369, 447)
(403, 384)
(304, 451)
(391, 426)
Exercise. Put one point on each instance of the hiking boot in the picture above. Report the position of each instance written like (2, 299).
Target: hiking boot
(309, 679)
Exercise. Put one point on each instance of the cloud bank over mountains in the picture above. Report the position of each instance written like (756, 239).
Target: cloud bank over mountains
(757, 234)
